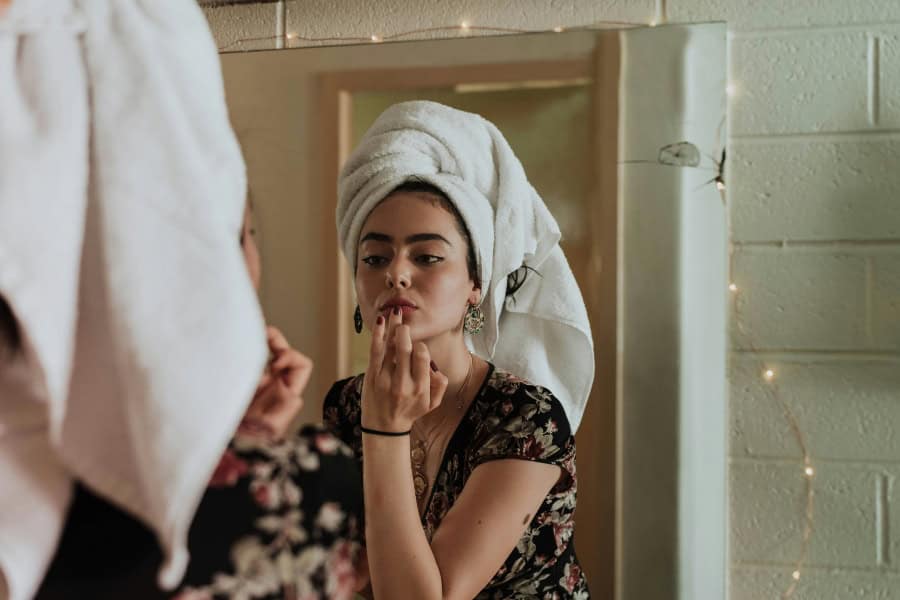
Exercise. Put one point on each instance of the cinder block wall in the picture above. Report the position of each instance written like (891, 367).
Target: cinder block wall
(814, 192)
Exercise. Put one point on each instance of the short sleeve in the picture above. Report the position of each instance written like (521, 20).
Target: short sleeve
(525, 422)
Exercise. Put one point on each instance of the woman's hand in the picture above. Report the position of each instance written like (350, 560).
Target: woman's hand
(401, 383)
(279, 395)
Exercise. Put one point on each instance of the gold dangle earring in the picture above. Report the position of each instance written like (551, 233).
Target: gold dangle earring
(474, 321)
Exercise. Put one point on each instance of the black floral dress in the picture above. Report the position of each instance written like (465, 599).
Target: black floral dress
(278, 520)
(509, 418)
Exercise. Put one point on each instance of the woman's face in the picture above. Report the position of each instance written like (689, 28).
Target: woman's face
(412, 255)
(249, 248)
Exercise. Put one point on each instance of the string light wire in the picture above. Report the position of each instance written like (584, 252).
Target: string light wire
(295, 40)
(772, 391)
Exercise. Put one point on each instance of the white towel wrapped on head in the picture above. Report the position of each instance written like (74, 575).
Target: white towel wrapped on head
(540, 333)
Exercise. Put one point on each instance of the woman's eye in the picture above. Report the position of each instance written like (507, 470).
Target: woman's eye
(374, 261)
(429, 259)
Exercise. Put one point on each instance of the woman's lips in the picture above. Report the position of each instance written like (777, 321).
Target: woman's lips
(405, 309)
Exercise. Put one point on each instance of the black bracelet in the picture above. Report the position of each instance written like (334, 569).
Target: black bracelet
(387, 433)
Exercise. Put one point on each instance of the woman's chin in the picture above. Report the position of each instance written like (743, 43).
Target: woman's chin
(427, 335)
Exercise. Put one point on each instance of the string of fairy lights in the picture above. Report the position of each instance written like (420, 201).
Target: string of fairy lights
(767, 371)
(770, 377)
(463, 28)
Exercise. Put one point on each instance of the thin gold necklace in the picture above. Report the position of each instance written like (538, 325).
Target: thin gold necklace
(419, 451)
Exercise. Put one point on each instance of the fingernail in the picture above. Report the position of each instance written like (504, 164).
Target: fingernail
(433, 367)
(397, 310)
(379, 320)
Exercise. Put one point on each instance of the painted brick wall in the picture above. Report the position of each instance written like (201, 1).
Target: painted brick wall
(814, 189)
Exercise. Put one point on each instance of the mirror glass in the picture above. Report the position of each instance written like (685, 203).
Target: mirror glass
(622, 134)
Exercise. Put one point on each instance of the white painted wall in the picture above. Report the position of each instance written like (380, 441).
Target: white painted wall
(813, 185)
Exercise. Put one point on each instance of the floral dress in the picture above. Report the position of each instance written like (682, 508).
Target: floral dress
(509, 418)
(278, 520)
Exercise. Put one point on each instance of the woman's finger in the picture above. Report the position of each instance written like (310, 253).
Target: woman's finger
(402, 378)
(290, 359)
(377, 348)
(262, 400)
(297, 372)
(394, 320)
(277, 342)
(421, 369)
(264, 380)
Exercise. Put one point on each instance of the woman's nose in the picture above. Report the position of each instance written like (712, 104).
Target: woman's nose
(397, 276)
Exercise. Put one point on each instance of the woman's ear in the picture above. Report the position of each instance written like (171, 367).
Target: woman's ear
(475, 296)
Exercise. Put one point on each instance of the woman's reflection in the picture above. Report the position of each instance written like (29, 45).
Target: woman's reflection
(469, 467)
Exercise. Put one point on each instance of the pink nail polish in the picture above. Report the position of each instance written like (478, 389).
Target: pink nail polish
(379, 320)
(397, 310)
(434, 367)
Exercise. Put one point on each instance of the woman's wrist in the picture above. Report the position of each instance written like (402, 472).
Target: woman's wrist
(385, 424)
(385, 432)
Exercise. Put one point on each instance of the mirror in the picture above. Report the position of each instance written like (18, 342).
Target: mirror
(622, 134)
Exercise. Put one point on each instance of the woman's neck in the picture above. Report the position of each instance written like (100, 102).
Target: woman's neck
(452, 358)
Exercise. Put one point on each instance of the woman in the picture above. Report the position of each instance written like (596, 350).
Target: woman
(281, 516)
(468, 459)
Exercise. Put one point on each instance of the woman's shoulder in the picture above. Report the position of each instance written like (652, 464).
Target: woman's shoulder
(345, 388)
(512, 401)
(341, 408)
(516, 418)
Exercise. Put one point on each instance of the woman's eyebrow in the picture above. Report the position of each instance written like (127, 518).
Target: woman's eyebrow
(427, 237)
(374, 236)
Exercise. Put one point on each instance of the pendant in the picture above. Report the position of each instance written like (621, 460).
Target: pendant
(420, 485)
(417, 454)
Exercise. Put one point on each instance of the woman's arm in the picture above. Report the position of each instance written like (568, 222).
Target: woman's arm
(484, 525)
(474, 538)
(398, 388)
(401, 563)
(487, 520)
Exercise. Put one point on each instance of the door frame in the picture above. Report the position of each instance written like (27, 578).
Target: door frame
(597, 436)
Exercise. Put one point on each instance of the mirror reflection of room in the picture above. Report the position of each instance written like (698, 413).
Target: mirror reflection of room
(557, 100)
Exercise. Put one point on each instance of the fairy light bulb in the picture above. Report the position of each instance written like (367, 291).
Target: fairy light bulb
(376, 38)
(809, 471)
(558, 29)
(796, 575)
(465, 26)
(769, 374)
(720, 186)
(732, 287)
(292, 36)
